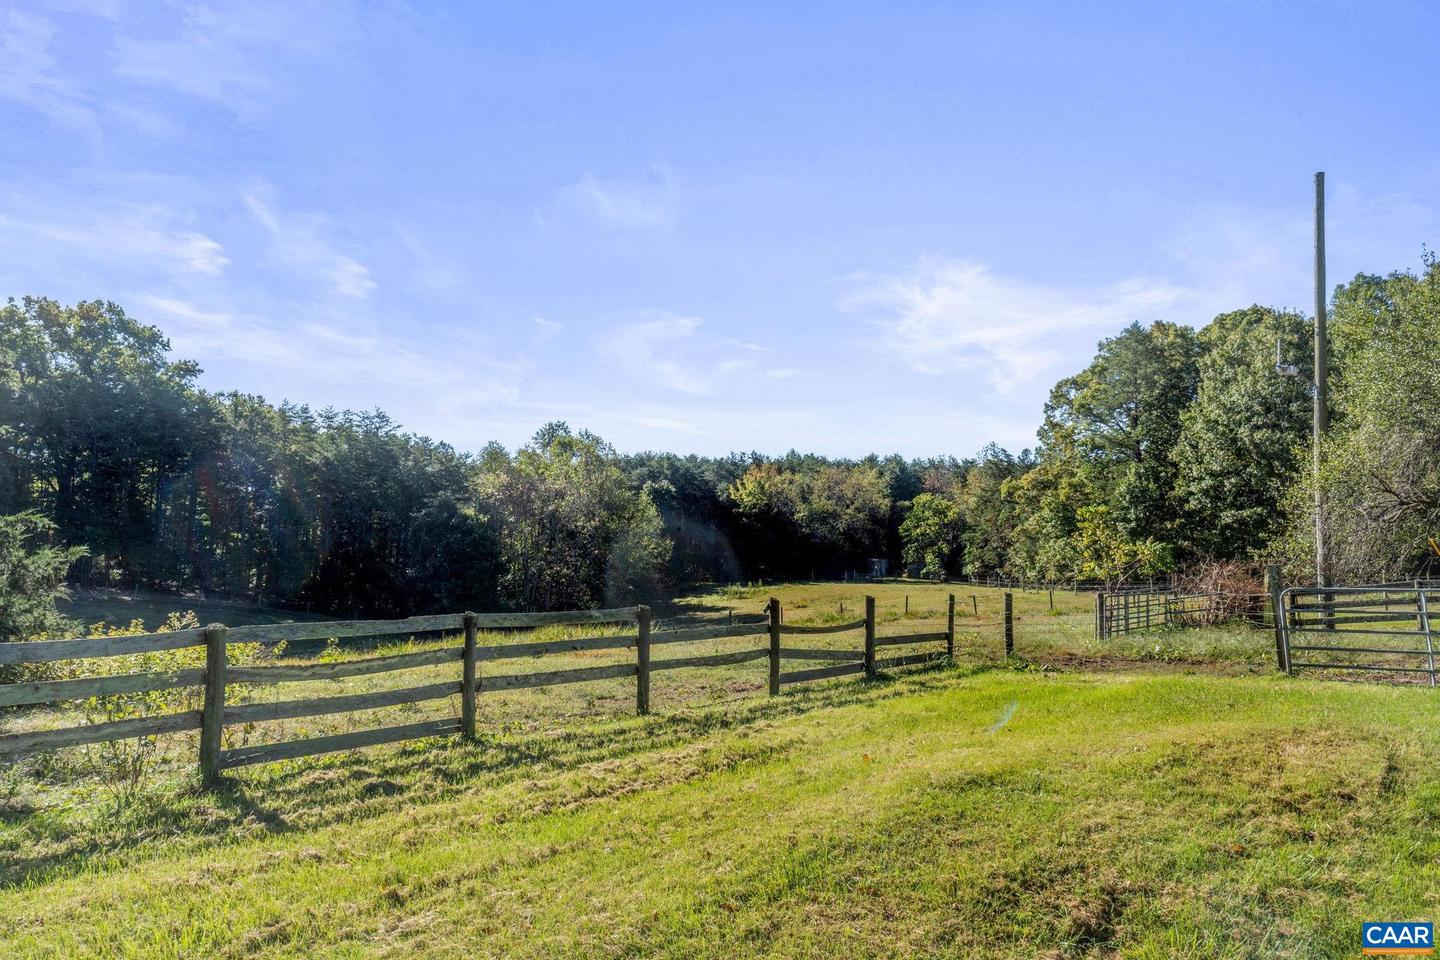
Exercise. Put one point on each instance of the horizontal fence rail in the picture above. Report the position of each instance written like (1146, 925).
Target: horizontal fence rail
(1074, 586)
(217, 677)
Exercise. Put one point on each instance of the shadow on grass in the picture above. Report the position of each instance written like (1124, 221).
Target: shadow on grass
(302, 795)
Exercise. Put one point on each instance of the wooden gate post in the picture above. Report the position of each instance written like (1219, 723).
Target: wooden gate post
(467, 681)
(1009, 624)
(1277, 613)
(870, 637)
(950, 629)
(1100, 632)
(642, 660)
(212, 712)
(774, 646)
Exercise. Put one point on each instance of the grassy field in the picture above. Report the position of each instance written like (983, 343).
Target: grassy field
(999, 813)
(1046, 638)
(1159, 797)
(1058, 636)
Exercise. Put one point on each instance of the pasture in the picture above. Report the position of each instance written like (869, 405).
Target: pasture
(1160, 797)
(118, 608)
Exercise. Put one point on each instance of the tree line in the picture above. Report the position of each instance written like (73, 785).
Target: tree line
(1177, 446)
(1173, 445)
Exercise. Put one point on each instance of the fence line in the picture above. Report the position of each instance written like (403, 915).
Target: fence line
(217, 675)
(1380, 628)
(1074, 586)
(1118, 612)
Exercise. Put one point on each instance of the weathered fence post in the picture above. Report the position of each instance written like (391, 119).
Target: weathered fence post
(1277, 613)
(468, 682)
(642, 660)
(1100, 625)
(1009, 624)
(974, 605)
(950, 629)
(870, 637)
(212, 712)
(774, 646)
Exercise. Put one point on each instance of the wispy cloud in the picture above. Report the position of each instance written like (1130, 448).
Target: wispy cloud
(31, 76)
(323, 347)
(299, 241)
(222, 52)
(546, 329)
(650, 204)
(946, 316)
(655, 347)
(673, 351)
(152, 236)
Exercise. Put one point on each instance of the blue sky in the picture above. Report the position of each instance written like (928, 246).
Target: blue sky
(832, 227)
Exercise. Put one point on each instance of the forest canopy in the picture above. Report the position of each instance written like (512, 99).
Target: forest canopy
(1172, 446)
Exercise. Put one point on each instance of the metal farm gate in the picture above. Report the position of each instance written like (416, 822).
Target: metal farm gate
(1128, 610)
(1385, 628)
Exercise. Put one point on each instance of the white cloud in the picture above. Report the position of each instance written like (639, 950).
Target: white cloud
(546, 329)
(298, 241)
(150, 235)
(1244, 255)
(104, 9)
(651, 204)
(196, 251)
(188, 312)
(317, 347)
(947, 316)
(673, 351)
(224, 52)
(31, 76)
(657, 347)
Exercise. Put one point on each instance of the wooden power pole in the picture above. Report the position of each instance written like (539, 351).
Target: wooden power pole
(1322, 377)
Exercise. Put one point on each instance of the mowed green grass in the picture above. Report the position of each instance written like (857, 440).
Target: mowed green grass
(947, 812)
(989, 808)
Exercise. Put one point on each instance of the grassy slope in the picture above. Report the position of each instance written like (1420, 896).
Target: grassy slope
(1152, 816)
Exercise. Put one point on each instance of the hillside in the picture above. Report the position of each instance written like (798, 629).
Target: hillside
(989, 814)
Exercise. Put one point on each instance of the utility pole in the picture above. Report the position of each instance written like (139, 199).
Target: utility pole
(1322, 377)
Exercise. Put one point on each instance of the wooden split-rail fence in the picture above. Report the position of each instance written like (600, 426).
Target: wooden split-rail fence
(470, 658)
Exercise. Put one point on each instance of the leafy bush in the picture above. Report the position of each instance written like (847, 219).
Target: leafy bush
(32, 578)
